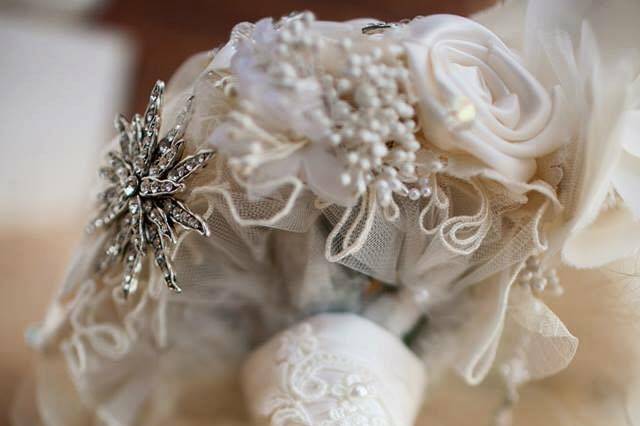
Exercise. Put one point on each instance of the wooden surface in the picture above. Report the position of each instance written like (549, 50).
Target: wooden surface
(166, 33)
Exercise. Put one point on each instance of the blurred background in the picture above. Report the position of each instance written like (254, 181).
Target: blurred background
(67, 67)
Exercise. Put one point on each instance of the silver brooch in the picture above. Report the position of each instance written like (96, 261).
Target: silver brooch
(139, 208)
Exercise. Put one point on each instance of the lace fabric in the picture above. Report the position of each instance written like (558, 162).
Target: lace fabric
(331, 370)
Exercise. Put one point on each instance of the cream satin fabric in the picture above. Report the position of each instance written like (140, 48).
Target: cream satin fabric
(459, 65)
(334, 370)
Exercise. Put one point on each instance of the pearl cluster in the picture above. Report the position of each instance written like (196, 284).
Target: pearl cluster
(290, 57)
(538, 278)
(367, 111)
(374, 120)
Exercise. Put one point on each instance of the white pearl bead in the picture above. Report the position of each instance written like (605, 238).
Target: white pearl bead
(399, 155)
(348, 133)
(354, 60)
(345, 179)
(379, 150)
(372, 72)
(437, 166)
(296, 27)
(414, 194)
(397, 129)
(364, 95)
(307, 17)
(539, 284)
(365, 163)
(335, 139)
(359, 391)
(391, 172)
(384, 199)
(421, 296)
(410, 125)
(411, 145)
(343, 85)
(354, 72)
(404, 109)
(382, 185)
(407, 169)
(533, 262)
(353, 157)
(424, 181)
(368, 137)
(426, 191)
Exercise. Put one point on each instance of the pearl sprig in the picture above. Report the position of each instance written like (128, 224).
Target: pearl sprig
(373, 119)
(538, 278)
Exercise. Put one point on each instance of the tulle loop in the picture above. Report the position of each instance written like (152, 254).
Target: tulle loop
(350, 234)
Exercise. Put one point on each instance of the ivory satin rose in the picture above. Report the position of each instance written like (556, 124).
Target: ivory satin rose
(476, 97)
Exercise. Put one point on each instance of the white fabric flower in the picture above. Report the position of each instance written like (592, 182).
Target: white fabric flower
(608, 199)
(477, 98)
(284, 134)
(570, 43)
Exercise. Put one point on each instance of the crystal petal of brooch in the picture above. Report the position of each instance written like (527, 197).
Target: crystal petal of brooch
(139, 208)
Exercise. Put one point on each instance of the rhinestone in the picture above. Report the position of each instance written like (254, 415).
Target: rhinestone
(131, 186)
(138, 148)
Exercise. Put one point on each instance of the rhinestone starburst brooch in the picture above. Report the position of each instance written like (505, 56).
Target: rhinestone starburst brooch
(139, 208)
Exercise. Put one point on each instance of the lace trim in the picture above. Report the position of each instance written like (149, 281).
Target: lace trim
(311, 376)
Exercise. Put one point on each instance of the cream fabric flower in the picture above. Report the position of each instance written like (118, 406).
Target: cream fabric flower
(608, 204)
(476, 97)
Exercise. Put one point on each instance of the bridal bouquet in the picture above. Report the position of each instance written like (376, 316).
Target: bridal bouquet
(373, 205)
